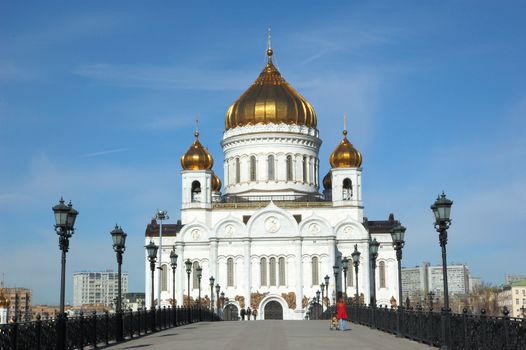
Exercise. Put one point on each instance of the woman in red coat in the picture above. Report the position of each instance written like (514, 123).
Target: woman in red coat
(342, 313)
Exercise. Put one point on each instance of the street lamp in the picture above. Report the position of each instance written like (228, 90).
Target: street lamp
(118, 237)
(160, 215)
(199, 275)
(222, 300)
(212, 280)
(345, 266)
(322, 288)
(188, 265)
(356, 261)
(327, 278)
(218, 289)
(373, 250)
(442, 211)
(173, 263)
(151, 250)
(65, 216)
(397, 234)
(335, 271)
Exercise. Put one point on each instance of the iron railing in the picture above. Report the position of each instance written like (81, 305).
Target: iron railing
(467, 331)
(93, 331)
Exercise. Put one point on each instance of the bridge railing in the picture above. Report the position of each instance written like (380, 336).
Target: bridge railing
(95, 330)
(466, 331)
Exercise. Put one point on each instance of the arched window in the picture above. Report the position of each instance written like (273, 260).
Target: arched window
(271, 172)
(304, 169)
(281, 266)
(289, 168)
(272, 271)
(252, 168)
(347, 189)
(196, 191)
(263, 272)
(381, 268)
(195, 280)
(230, 272)
(164, 278)
(350, 275)
(238, 171)
(315, 271)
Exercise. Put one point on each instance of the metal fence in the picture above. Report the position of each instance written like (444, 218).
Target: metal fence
(466, 331)
(93, 331)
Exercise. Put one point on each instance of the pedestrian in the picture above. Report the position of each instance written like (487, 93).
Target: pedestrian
(249, 312)
(342, 313)
(242, 312)
(254, 313)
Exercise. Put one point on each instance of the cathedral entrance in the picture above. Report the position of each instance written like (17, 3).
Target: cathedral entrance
(230, 313)
(273, 311)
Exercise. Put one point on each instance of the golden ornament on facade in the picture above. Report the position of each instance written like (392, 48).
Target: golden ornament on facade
(345, 155)
(290, 298)
(241, 300)
(327, 181)
(270, 99)
(197, 157)
(255, 299)
(216, 183)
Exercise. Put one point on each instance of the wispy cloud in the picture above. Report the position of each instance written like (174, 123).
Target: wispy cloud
(102, 153)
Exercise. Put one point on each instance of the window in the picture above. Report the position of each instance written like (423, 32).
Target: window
(263, 272)
(315, 272)
(195, 280)
(381, 267)
(347, 189)
(271, 172)
(238, 171)
(230, 272)
(252, 168)
(289, 168)
(517, 301)
(196, 191)
(281, 265)
(164, 278)
(304, 169)
(272, 271)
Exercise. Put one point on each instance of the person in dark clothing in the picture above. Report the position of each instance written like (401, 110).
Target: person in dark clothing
(249, 312)
(254, 313)
(242, 312)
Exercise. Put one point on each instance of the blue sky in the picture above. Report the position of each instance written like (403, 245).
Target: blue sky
(98, 101)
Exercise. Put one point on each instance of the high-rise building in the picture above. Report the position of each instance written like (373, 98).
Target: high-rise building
(16, 304)
(518, 298)
(509, 279)
(272, 236)
(97, 287)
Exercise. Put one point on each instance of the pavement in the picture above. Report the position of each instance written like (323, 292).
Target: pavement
(269, 335)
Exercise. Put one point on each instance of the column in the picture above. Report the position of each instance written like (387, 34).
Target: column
(247, 272)
(331, 261)
(299, 273)
(180, 274)
(213, 258)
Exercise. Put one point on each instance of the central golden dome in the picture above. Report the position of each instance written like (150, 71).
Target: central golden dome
(270, 99)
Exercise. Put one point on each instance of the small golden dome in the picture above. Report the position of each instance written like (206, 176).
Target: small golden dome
(197, 157)
(216, 183)
(327, 181)
(4, 302)
(270, 99)
(345, 155)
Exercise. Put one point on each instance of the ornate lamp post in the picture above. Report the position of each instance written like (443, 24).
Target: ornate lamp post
(65, 217)
(218, 289)
(173, 263)
(322, 288)
(212, 280)
(160, 215)
(151, 250)
(373, 250)
(199, 275)
(345, 266)
(327, 278)
(188, 265)
(442, 210)
(397, 234)
(335, 271)
(118, 237)
(222, 300)
(356, 261)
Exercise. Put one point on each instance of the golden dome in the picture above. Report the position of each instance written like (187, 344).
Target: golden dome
(197, 157)
(327, 181)
(4, 302)
(216, 183)
(345, 155)
(270, 99)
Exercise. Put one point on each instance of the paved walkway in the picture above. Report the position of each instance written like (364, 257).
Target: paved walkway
(269, 335)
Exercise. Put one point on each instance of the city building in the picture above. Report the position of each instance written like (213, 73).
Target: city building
(45, 311)
(504, 298)
(509, 279)
(97, 287)
(15, 303)
(474, 283)
(271, 237)
(418, 281)
(133, 301)
(518, 295)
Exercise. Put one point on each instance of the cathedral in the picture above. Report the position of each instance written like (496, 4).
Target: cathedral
(266, 233)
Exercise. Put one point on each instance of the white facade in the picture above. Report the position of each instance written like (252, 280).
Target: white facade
(97, 287)
(272, 237)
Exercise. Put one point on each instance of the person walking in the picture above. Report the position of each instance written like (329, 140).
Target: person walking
(242, 312)
(254, 313)
(342, 314)
(249, 312)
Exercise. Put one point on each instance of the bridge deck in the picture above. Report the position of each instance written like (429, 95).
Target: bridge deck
(269, 335)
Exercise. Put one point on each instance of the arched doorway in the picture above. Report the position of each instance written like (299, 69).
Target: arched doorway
(273, 311)
(230, 313)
